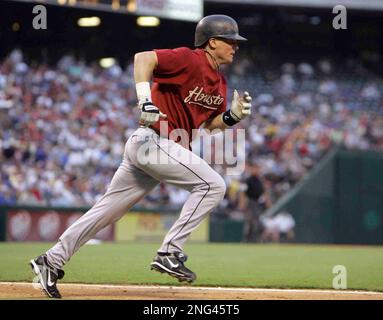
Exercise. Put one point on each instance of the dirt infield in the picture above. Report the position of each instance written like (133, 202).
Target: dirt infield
(14, 290)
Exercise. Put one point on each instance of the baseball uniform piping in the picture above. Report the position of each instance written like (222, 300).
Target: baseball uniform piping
(208, 185)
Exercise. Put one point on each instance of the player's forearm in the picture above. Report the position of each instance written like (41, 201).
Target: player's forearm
(216, 123)
(144, 65)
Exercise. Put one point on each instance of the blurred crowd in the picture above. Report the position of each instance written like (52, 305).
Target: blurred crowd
(302, 110)
(63, 128)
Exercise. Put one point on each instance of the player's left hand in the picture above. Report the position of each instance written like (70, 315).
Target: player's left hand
(150, 114)
(240, 106)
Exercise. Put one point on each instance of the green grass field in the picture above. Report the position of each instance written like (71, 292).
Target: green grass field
(238, 265)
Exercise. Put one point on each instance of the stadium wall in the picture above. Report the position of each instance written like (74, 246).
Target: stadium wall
(340, 201)
(27, 223)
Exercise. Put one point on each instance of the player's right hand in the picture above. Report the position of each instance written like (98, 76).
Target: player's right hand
(150, 114)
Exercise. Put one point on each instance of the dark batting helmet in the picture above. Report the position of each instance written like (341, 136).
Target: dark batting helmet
(216, 26)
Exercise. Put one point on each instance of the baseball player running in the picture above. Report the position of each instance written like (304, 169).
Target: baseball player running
(188, 92)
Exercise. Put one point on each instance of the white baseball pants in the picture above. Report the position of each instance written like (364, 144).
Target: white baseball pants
(147, 160)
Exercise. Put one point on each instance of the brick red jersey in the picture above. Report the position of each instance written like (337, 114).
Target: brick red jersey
(187, 89)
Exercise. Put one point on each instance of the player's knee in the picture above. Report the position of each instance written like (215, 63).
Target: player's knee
(218, 187)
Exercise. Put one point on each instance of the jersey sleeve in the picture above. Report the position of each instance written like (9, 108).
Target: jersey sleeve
(173, 65)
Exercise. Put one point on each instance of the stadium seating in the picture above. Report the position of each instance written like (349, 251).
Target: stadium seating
(63, 127)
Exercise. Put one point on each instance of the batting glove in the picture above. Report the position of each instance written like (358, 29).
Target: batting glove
(240, 107)
(150, 114)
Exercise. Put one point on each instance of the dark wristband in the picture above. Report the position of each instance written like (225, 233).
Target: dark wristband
(228, 119)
